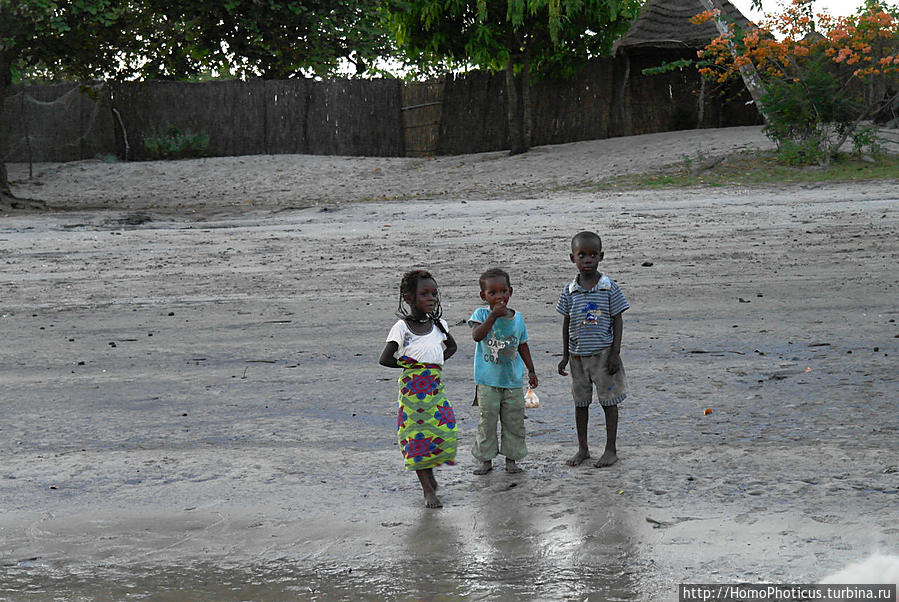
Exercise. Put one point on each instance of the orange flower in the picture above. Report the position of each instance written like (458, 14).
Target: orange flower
(704, 16)
(843, 54)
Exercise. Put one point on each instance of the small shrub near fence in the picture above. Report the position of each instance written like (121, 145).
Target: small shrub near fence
(175, 144)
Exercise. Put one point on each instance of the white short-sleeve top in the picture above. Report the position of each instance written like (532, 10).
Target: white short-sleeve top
(426, 348)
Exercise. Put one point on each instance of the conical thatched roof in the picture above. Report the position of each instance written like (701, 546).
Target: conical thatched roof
(666, 24)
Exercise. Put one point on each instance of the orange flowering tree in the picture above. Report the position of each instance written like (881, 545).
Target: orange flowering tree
(823, 77)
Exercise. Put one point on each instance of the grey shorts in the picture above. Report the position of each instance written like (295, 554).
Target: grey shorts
(588, 371)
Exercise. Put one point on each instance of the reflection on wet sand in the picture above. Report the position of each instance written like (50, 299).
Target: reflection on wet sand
(509, 541)
(507, 538)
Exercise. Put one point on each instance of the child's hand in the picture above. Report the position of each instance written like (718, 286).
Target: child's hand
(532, 379)
(498, 310)
(562, 365)
(614, 363)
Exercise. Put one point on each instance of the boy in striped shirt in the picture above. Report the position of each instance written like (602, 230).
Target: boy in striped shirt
(592, 305)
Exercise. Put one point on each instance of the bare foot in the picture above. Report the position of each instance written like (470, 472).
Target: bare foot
(484, 468)
(608, 458)
(432, 501)
(576, 459)
(512, 467)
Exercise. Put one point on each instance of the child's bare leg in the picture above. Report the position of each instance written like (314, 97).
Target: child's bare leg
(484, 467)
(432, 476)
(427, 480)
(581, 418)
(610, 455)
(512, 467)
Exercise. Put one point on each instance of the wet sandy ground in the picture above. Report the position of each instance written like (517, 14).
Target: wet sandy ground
(193, 409)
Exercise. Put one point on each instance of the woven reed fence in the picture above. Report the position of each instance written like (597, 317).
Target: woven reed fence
(381, 117)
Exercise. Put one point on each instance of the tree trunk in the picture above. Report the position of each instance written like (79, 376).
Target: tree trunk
(5, 81)
(526, 121)
(513, 114)
(700, 109)
(750, 76)
(622, 125)
(4, 179)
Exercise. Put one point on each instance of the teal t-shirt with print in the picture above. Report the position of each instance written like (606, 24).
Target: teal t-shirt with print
(497, 362)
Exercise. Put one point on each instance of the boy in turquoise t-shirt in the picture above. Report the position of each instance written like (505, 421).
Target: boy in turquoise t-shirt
(500, 359)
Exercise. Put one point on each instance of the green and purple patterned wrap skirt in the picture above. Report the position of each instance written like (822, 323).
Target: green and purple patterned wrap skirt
(425, 421)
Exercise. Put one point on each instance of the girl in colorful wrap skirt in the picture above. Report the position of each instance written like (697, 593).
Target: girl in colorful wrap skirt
(419, 343)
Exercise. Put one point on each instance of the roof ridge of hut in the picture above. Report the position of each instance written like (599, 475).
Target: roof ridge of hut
(666, 24)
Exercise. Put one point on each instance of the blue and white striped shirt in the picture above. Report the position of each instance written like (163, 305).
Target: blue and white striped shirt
(590, 313)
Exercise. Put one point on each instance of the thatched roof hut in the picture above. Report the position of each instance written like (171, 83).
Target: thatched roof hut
(664, 34)
(665, 24)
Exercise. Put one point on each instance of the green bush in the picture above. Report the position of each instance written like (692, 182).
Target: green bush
(866, 139)
(798, 153)
(175, 144)
(809, 118)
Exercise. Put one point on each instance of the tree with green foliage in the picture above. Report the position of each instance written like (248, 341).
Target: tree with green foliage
(272, 40)
(178, 39)
(516, 36)
(748, 73)
(80, 38)
(822, 76)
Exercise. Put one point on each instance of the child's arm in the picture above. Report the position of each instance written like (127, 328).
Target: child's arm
(387, 358)
(525, 352)
(451, 347)
(565, 324)
(614, 363)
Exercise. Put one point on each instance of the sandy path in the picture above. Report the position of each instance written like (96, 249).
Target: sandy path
(195, 406)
